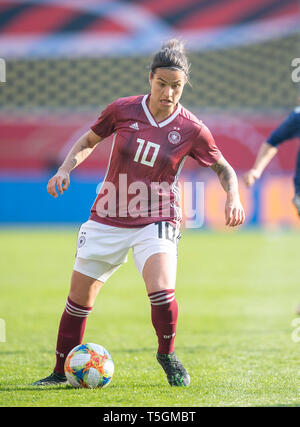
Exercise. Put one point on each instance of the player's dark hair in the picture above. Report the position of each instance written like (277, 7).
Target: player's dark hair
(171, 55)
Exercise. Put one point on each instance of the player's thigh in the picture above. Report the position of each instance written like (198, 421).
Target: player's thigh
(159, 272)
(84, 289)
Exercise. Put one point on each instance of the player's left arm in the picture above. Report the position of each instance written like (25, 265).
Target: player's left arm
(234, 212)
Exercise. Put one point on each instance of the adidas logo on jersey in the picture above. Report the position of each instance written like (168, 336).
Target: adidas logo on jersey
(134, 126)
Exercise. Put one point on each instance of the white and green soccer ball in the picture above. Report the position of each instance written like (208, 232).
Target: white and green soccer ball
(89, 366)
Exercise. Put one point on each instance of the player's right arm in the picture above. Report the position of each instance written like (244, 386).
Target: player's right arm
(82, 148)
(264, 156)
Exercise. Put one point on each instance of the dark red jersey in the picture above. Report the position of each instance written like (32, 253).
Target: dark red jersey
(140, 185)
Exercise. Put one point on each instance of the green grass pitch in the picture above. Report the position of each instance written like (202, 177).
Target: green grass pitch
(237, 295)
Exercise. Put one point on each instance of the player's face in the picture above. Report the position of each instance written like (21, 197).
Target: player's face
(166, 88)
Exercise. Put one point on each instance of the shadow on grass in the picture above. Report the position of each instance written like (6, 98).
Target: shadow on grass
(127, 350)
(133, 350)
(10, 353)
(151, 350)
(67, 387)
(281, 405)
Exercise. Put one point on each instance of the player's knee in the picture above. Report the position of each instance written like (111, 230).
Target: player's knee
(159, 284)
(84, 289)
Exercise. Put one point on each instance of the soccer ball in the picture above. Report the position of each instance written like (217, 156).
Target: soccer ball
(89, 366)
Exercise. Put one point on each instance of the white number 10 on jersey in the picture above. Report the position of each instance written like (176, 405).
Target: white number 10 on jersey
(138, 153)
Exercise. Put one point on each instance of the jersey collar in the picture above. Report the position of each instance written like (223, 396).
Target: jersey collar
(151, 119)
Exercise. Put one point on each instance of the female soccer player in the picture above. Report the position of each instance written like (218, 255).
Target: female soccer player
(137, 206)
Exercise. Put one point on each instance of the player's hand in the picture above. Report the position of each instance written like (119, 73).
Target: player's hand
(234, 211)
(250, 177)
(60, 181)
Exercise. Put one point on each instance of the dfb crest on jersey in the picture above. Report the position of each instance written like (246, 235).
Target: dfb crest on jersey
(81, 241)
(174, 137)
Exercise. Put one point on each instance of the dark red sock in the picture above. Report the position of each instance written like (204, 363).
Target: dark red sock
(70, 333)
(164, 314)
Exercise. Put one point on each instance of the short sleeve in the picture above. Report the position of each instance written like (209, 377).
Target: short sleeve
(287, 130)
(105, 124)
(204, 149)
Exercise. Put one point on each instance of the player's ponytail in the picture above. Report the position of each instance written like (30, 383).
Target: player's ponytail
(171, 55)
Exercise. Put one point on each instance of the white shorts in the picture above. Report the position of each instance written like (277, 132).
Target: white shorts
(102, 249)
